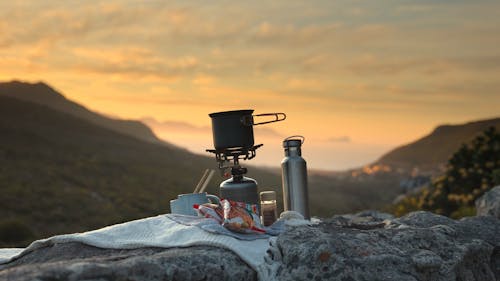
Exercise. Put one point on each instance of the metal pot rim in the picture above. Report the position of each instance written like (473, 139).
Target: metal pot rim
(232, 113)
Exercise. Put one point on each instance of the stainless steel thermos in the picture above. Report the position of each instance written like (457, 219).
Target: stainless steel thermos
(294, 177)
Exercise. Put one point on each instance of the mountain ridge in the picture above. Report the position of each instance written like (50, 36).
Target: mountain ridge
(42, 93)
(433, 150)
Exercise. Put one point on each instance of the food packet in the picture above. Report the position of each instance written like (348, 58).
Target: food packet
(235, 216)
(238, 217)
(209, 210)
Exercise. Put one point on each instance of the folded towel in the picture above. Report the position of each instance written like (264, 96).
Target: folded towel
(215, 227)
(7, 254)
(164, 231)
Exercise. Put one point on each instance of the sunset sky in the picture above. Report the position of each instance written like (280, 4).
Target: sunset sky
(356, 78)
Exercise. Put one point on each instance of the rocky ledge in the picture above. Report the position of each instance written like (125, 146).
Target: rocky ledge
(419, 246)
(366, 246)
(76, 261)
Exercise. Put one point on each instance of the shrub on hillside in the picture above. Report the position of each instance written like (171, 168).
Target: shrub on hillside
(471, 171)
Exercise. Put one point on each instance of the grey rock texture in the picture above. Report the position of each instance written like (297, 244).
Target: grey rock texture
(489, 203)
(365, 246)
(75, 261)
(419, 246)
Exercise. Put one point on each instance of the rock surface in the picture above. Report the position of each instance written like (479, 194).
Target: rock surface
(75, 261)
(489, 203)
(419, 246)
(366, 246)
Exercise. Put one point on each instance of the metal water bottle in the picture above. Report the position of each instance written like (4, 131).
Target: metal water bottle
(294, 177)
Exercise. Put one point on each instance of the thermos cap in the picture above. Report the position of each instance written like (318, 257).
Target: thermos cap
(293, 141)
(267, 195)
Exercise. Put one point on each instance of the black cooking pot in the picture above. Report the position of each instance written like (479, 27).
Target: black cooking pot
(234, 129)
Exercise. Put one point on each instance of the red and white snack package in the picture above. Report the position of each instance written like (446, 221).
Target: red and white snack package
(235, 216)
(240, 219)
(209, 210)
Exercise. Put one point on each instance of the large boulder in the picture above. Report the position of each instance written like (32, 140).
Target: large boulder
(364, 246)
(419, 246)
(489, 203)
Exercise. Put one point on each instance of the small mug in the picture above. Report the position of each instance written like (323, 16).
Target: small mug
(184, 203)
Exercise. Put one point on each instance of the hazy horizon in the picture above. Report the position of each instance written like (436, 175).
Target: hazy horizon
(357, 79)
(197, 139)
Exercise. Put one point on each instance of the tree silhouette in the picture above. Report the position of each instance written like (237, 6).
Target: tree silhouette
(471, 171)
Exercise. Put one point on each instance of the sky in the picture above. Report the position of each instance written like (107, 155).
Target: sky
(355, 78)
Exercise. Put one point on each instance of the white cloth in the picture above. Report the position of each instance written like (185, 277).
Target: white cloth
(7, 254)
(159, 231)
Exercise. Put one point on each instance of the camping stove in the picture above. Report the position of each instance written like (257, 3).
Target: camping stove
(233, 141)
(238, 187)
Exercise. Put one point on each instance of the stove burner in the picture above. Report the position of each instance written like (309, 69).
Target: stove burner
(233, 154)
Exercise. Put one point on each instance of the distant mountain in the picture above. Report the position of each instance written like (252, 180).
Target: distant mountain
(43, 94)
(402, 170)
(433, 150)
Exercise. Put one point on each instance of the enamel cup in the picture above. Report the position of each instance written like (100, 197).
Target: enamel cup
(184, 203)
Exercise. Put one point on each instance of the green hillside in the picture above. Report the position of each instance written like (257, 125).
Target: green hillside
(61, 174)
(435, 149)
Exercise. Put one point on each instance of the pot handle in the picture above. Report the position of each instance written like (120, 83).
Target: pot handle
(248, 120)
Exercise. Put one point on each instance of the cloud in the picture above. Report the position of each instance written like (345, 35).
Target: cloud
(135, 62)
(340, 139)
(289, 34)
(181, 39)
(204, 80)
(372, 65)
(175, 127)
(186, 128)
(58, 21)
(28, 65)
(267, 133)
(168, 100)
(309, 84)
